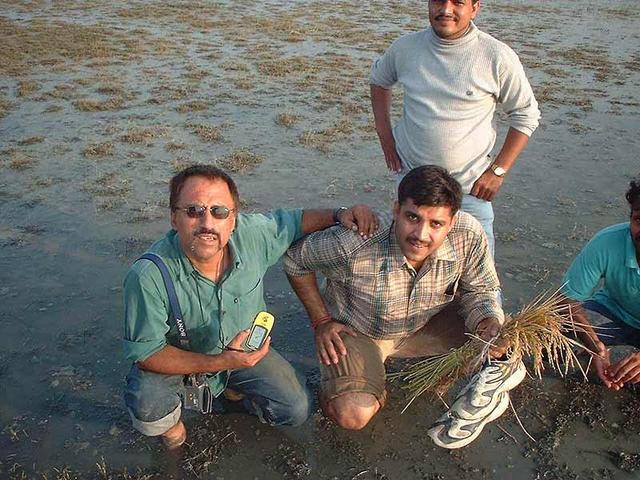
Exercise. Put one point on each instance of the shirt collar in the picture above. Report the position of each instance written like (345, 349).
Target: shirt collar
(631, 260)
(469, 36)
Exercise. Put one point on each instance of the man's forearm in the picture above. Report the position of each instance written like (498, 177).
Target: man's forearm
(513, 145)
(381, 105)
(175, 361)
(317, 219)
(306, 288)
(586, 334)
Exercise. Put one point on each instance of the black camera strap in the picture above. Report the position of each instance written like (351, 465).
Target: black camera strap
(176, 312)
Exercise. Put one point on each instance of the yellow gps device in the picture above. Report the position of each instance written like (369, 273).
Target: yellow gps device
(260, 330)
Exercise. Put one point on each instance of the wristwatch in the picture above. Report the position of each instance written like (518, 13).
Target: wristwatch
(336, 214)
(497, 170)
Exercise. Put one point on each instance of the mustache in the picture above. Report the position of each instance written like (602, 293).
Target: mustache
(205, 231)
(418, 241)
(452, 17)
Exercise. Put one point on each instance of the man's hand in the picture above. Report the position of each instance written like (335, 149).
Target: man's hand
(328, 342)
(391, 156)
(360, 218)
(488, 330)
(487, 186)
(626, 370)
(238, 358)
(601, 363)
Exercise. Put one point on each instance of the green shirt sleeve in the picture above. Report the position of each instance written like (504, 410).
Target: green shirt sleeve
(146, 311)
(585, 272)
(274, 232)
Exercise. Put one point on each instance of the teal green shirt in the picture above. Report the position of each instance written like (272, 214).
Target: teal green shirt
(213, 313)
(609, 256)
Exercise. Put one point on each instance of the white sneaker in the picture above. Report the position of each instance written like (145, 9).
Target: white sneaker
(481, 395)
(453, 432)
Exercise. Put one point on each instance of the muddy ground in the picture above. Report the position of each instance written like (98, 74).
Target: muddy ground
(101, 102)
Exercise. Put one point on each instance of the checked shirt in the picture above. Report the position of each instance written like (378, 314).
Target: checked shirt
(372, 288)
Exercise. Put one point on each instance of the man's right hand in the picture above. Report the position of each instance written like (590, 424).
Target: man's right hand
(237, 358)
(601, 362)
(328, 342)
(391, 156)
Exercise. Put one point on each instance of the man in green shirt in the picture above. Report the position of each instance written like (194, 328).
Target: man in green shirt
(217, 259)
(611, 261)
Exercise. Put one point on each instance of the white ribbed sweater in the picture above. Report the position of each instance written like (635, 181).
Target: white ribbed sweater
(451, 89)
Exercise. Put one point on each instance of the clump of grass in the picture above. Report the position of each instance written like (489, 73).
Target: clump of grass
(180, 163)
(543, 329)
(245, 83)
(174, 146)
(144, 135)
(207, 133)
(97, 105)
(322, 140)
(110, 185)
(98, 150)
(31, 141)
(287, 119)
(20, 161)
(240, 161)
(5, 106)
(193, 106)
(27, 87)
(53, 108)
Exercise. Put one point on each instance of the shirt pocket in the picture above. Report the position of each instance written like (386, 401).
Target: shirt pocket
(242, 302)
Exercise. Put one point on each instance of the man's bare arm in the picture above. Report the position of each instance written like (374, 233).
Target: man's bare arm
(175, 361)
(590, 340)
(327, 331)
(381, 105)
(359, 218)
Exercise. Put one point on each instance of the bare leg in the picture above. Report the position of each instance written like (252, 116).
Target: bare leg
(175, 436)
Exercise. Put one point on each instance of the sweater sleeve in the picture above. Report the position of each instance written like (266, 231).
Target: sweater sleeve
(516, 95)
(383, 72)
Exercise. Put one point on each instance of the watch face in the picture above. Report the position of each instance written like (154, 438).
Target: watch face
(499, 171)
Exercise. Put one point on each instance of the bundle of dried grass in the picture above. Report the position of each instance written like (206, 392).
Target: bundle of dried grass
(542, 330)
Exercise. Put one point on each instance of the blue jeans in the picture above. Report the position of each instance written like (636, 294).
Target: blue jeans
(482, 211)
(609, 328)
(274, 392)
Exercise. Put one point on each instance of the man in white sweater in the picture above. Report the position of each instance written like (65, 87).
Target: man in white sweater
(453, 75)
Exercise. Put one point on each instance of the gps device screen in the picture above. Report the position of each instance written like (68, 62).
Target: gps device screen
(258, 335)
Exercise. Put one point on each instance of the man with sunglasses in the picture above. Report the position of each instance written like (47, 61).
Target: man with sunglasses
(453, 76)
(216, 258)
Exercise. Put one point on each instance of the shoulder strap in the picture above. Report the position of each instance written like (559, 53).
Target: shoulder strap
(176, 312)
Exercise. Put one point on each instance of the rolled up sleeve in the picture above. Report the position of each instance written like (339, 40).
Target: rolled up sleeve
(145, 316)
(321, 251)
(516, 96)
(479, 286)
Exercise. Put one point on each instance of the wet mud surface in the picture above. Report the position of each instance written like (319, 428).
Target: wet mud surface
(100, 103)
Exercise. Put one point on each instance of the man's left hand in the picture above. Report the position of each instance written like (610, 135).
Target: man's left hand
(626, 370)
(360, 218)
(487, 186)
(488, 330)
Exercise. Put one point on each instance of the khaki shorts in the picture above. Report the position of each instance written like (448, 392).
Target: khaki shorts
(362, 369)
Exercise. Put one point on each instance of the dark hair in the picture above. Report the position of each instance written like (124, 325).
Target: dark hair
(432, 186)
(633, 194)
(207, 171)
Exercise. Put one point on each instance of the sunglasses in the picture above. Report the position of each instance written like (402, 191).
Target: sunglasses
(218, 212)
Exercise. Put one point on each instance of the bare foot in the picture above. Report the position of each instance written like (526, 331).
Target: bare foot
(175, 436)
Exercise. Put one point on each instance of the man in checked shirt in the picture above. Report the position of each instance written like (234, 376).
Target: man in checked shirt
(412, 290)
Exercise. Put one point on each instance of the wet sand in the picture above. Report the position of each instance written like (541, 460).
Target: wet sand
(100, 103)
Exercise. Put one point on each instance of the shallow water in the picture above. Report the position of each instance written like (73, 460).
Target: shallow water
(71, 223)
